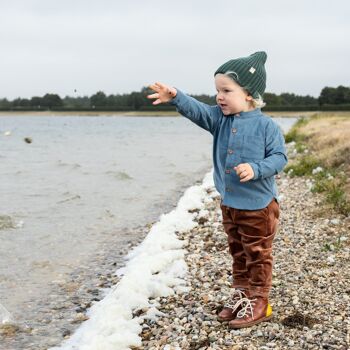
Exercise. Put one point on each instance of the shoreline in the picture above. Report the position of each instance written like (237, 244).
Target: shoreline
(73, 295)
(67, 305)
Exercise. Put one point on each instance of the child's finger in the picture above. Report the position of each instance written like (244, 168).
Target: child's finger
(239, 169)
(154, 87)
(243, 173)
(245, 178)
(157, 102)
(160, 85)
(156, 95)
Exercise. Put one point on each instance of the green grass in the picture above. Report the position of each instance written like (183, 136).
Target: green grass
(323, 180)
(303, 166)
(335, 246)
(294, 134)
(331, 182)
(300, 147)
(337, 197)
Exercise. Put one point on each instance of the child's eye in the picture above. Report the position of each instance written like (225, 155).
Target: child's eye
(226, 90)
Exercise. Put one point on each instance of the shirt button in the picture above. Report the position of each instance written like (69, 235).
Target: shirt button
(227, 189)
(230, 151)
(227, 171)
(234, 130)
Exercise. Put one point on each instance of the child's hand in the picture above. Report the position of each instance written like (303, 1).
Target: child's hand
(244, 171)
(163, 93)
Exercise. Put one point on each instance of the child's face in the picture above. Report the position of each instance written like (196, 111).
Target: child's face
(230, 96)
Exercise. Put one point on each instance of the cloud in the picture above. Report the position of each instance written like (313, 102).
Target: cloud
(120, 46)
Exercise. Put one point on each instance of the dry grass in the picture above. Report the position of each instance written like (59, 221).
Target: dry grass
(289, 114)
(8, 330)
(328, 136)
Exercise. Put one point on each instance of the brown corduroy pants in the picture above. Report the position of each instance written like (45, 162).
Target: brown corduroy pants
(250, 234)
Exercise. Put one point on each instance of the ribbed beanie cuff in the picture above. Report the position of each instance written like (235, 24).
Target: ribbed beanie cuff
(249, 72)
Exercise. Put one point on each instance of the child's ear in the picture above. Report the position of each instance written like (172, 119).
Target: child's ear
(249, 98)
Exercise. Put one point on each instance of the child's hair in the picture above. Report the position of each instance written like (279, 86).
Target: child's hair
(257, 102)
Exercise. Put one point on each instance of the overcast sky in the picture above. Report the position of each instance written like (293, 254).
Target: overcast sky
(117, 46)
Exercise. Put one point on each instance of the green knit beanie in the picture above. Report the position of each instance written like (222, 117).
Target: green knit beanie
(249, 72)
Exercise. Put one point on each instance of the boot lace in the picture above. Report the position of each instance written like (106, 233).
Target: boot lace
(247, 307)
(235, 300)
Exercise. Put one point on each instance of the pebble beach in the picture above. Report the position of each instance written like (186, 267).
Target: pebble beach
(310, 296)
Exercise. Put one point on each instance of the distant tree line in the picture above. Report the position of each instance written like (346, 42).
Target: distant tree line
(330, 99)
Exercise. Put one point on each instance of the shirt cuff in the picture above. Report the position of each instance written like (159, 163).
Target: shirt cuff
(255, 169)
(175, 100)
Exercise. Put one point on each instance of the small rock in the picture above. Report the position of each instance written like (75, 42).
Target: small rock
(331, 260)
(259, 333)
(335, 221)
(290, 342)
(66, 332)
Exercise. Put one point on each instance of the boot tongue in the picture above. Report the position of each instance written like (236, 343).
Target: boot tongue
(258, 297)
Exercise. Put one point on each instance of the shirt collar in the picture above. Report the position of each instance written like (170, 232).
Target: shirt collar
(254, 113)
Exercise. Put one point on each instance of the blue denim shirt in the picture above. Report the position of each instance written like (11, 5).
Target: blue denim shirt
(247, 137)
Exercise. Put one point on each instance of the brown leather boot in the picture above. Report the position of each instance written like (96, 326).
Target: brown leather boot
(231, 308)
(253, 310)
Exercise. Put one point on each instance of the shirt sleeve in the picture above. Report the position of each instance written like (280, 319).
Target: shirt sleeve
(205, 116)
(275, 154)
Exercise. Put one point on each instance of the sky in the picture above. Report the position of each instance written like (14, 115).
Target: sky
(79, 47)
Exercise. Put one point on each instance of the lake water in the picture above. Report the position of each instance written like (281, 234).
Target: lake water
(81, 182)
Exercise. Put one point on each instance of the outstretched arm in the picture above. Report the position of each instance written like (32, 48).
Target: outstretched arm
(205, 116)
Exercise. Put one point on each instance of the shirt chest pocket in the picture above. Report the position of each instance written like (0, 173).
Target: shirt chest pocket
(253, 147)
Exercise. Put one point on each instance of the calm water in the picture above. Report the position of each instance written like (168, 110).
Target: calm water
(80, 182)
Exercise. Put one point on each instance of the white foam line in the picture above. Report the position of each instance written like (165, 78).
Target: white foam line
(155, 268)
